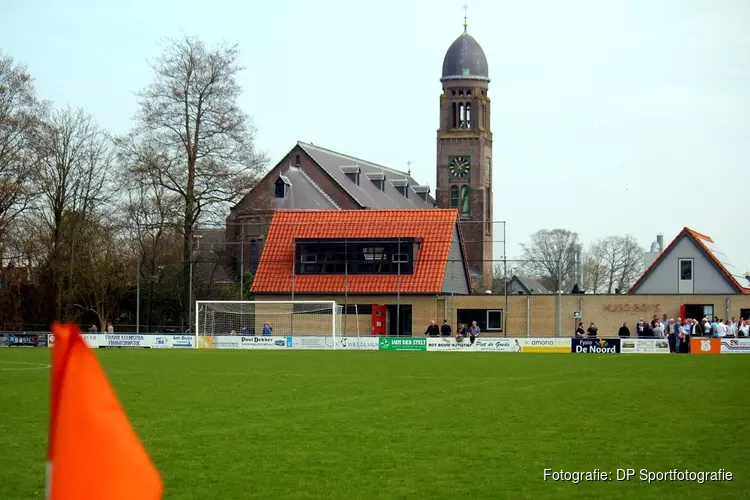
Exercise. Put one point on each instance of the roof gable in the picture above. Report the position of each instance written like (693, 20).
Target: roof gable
(706, 246)
(433, 228)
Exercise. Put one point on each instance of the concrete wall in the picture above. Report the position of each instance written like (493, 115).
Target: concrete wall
(537, 315)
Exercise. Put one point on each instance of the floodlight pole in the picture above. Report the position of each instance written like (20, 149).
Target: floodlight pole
(242, 264)
(138, 296)
(505, 287)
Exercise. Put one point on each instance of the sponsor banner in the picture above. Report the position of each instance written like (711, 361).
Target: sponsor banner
(644, 346)
(311, 342)
(487, 344)
(595, 346)
(220, 342)
(125, 340)
(23, 339)
(354, 343)
(173, 342)
(448, 344)
(550, 344)
(262, 342)
(4, 341)
(735, 346)
(705, 346)
(401, 344)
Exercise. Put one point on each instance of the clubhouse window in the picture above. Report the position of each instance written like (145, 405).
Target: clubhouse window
(371, 256)
(488, 320)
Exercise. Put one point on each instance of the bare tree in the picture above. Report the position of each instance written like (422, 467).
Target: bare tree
(613, 264)
(551, 254)
(71, 177)
(104, 268)
(193, 139)
(19, 110)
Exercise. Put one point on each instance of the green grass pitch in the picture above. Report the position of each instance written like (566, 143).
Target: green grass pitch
(307, 424)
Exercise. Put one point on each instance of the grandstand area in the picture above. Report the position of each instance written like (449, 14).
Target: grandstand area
(358, 424)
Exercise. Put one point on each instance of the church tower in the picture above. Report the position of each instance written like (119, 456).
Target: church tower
(464, 152)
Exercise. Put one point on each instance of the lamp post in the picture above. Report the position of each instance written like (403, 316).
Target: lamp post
(196, 237)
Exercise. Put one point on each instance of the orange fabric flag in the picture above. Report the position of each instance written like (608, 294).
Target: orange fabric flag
(93, 451)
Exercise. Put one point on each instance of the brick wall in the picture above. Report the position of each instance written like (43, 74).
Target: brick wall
(537, 315)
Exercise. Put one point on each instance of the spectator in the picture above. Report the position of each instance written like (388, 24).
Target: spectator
(640, 328)
(744, 329)
(732, 328)
(267, 329)
(658, 330)
(244, 331)
(446, 329)
(110, 328)
(93, 329)
(674, 331)
(706, 327)
(461, 333)
(233, 332)
(722, 328)
(432, 330)
(647, 330)
(473, 332)
(580, 332)
(593, 330)
(715, 328)
(624, 331)
(665, 323)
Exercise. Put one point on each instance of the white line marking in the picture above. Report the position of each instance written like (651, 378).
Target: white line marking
(34, 366)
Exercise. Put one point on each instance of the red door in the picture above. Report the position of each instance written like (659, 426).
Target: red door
(682, 311)
(378, 320)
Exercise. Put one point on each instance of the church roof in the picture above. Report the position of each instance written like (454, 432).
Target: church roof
(303, 193)
(432, 228)
(370, 192)
(465, 59)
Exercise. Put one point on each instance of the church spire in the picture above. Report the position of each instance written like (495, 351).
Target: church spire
(466, 23)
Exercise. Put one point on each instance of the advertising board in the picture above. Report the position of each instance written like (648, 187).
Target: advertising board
(262, 342)
(4, 341)
(401, 344)
(735, 346)
(595, 346)
(355, 343)
(644, 346)
(705, 346)
(125, 340)
(173, 342)
(309, 342)
(542, 344)
(448, 344)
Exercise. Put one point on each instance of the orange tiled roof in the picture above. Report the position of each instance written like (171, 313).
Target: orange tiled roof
(433, 227)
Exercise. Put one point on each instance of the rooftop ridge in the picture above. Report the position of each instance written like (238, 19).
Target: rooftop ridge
(353, 158)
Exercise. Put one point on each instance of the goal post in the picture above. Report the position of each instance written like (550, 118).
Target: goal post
(284, 318)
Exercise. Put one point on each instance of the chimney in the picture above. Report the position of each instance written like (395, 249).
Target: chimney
(660, 241)
(657, 247)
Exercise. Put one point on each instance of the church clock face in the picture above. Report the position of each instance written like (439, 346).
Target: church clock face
(459, 166)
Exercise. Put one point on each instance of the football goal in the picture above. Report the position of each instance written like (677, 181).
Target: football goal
(284, 318)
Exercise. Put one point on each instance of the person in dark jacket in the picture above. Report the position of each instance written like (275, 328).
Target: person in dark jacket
(446, 329)
(432, 330)
(593, 330)
(624, 331)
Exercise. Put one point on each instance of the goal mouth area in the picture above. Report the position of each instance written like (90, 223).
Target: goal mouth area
(267, 318)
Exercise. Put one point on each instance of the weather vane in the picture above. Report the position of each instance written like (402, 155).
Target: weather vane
(466, 8)
(408, 163)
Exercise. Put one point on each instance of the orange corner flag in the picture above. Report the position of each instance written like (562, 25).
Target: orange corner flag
(93, 451)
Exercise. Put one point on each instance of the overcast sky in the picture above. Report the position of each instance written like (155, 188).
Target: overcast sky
(609, 117)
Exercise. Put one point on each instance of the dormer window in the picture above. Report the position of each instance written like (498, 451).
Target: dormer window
(352, 173)
(378, 179)
(402, 186)
(280, 186)
(422, 191)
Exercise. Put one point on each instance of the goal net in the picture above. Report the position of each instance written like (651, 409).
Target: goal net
(255, 318)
